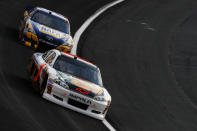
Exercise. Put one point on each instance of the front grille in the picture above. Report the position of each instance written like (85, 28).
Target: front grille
(77, 104)
(57, 97)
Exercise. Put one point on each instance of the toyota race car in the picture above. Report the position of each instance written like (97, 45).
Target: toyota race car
(70, 81)
(44, 29)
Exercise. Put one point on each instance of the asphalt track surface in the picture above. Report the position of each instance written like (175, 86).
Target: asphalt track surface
(146, 53)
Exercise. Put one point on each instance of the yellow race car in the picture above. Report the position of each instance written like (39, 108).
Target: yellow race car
(44, 29)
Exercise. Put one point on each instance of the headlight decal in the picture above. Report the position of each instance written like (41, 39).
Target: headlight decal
(99, 98)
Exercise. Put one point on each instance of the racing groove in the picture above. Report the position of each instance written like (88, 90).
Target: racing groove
(21, 108)
(132, 44)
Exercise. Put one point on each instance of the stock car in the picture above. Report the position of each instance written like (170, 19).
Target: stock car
(69, 81)
(44, 29)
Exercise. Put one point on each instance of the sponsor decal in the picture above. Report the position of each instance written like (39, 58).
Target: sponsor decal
(80, 99)
(80, 90)
(83, 91)
(49, 31)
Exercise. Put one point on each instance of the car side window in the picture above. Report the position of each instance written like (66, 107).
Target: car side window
(46, 54)
(50, 58)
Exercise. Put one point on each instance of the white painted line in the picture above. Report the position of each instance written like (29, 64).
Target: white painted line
(107, 124)
(80, 31)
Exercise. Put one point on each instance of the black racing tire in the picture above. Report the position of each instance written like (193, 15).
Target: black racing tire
(43, 86)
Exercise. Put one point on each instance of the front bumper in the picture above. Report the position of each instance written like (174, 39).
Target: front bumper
(62, 97)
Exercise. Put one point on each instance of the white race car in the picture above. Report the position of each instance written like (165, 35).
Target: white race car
(70, 81)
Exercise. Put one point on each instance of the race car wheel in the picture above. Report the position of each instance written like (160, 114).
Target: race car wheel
(44, 83)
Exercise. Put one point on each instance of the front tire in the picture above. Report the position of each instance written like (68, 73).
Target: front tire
(43, 86)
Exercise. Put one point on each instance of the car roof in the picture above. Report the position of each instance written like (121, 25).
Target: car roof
(78, 58)
(52, 13)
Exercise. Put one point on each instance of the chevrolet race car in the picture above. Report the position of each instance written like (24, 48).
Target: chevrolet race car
(70, 81)
(44, 29)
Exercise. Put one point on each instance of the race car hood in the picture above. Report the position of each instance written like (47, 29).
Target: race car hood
(81, 86)
(49, 34)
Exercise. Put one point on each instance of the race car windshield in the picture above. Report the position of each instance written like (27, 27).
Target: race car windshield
(51, 21)
(78, 69)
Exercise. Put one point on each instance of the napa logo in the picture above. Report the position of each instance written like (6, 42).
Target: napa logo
(49, 31)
